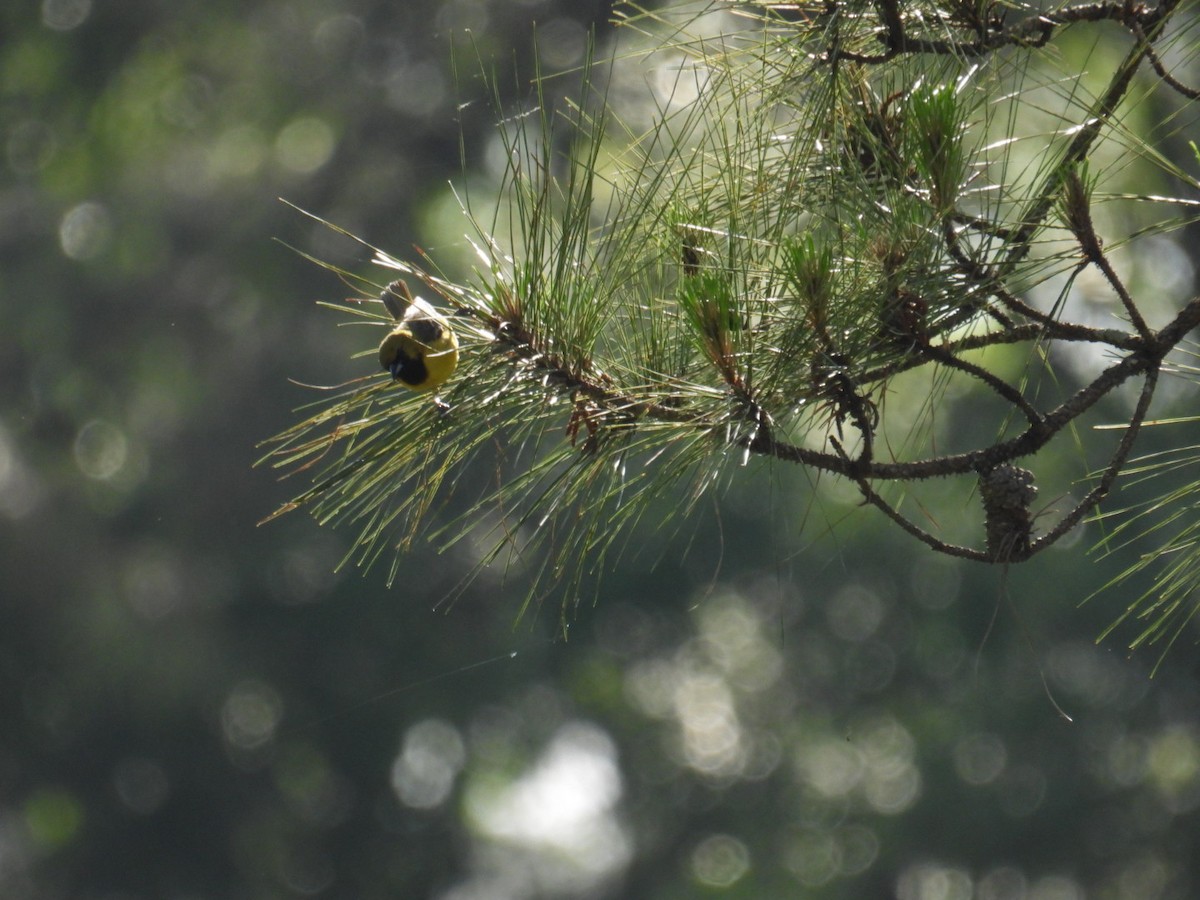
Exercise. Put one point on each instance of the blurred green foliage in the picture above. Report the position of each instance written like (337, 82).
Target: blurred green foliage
(194, 707)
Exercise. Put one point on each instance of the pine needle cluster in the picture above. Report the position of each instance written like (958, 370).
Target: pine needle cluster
(830, 206)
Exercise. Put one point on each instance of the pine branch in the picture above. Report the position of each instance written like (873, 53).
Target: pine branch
(818, 212)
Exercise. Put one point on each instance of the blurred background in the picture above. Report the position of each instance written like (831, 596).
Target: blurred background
(193, 707)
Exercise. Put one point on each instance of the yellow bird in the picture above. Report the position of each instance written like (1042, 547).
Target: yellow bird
(422, 350)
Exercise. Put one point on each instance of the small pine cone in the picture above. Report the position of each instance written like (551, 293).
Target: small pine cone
(1007, 492)
(902, 321)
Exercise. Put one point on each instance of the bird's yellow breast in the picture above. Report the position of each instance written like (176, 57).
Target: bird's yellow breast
(420, 352)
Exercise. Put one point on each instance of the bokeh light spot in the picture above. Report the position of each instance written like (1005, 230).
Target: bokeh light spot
(561, 42)
(1127, 760)
(979, 758)
(430, 759)
(1174, 761)
(153, 581)
(855, 612)
(85, 231)
(251, 714)
(560, 812)
(416, 90)
(832, 767)
(338, 34)
(859, 848)
(1003, 883)
(63, 15)
(712, 735)
(814, 858)
(237, 153)
(892, 783)
(53, 816)
(304, 145)
(892, 793)
(101, 449)
(926, 881)
(720, 861)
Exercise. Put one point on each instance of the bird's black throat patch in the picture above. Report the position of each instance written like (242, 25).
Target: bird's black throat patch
(409, 369)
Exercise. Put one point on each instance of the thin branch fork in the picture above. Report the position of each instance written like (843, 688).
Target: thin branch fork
(1160, 69)
(1000, 387)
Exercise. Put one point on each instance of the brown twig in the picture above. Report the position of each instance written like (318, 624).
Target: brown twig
(872, 497)
(1161, 70)
(1005, 390)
